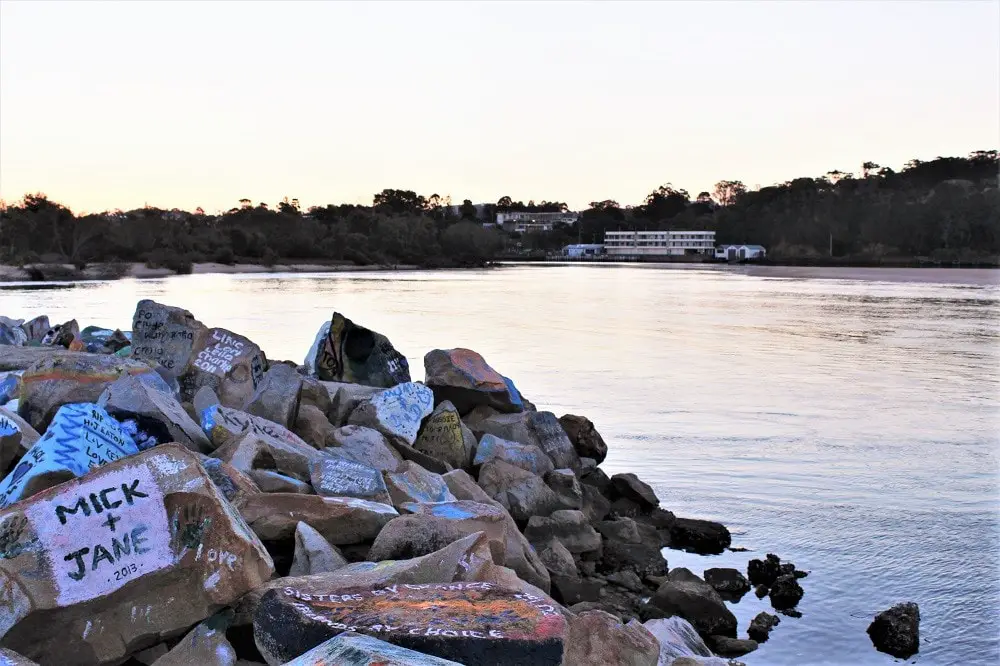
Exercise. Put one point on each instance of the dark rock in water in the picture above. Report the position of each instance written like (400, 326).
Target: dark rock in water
(277, 396)
(800, 574)
(552, 439)
(897, 631)
(471, 623)
(347, 352)
(731, 647)
(730, 583)
(684, 575)
(586, 440)
(761, 591)
(697, 603)
(463, 377)
(353, 649)
(761, 626)
(786, 592)
(632, 488)
(764, 572)
(699, 536)
(597, 638)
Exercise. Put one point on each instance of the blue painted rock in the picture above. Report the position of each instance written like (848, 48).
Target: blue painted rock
(464, 378)
(446, 438)
(472, 623)
(155, 414)
(11, 332)
(97, 340)
(341, 520)
(396, 412)
(334, 476)
(526, 456)
(353, 649)
(60, 379)
(82, 437)
(346, 352)
(121, 559)
(16, 437)
(412, 483)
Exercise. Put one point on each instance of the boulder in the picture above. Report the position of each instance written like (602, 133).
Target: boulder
(764, 572)
(446, 438)
(353, 649)
(11, 658)
(632, 488)
(597, 638)
(679, 640)
(552, 439)
(463, 377)
(558, 560)
(64, 335)
(341, 520)
(234, 485)
(731, 647)
(396, 412)
(16, 437)
(630, 546)
(97, 340)
(785, 592)
(228, 363)
(81, 437)
(315, 393)
(526, 456)
(164, 335)
(157, 414)
(598, 479)
(412, 483)
(595, 505)
(697, 603)
(444, 522)
(897, 631)
(566, 486)
(334, 476)
(313, 553)
(205, 645)
(699, 536)
(467, 622)
(520, 492)
(345, 398)
(430, 463)
(36, 328)
(346, 352)
(149, 535)
(568, 527)
(761, 626)
(276, 398)
(512, 427)
(313, 427)
(51, 382)
(627, 579)
(270, 481)
(366, 446)
(269, 449)
(11, 333)
(585, 438)
(730, 583)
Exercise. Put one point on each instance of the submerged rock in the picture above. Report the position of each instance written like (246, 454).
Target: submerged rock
(761, 626)
(764, 572)
(897, 631)
(347, 352)
(463, 377)
(786, 592)
(731, 647)
(353, 649)
(150, 533)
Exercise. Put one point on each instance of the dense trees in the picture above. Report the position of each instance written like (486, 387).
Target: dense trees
(946, 209)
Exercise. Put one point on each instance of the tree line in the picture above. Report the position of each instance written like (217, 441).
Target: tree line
(944, 209)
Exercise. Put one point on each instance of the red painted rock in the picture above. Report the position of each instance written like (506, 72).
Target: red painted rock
(122, 558)
(464, 378)
(471, 622)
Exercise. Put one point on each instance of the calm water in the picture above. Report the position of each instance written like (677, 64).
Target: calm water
(849, 425)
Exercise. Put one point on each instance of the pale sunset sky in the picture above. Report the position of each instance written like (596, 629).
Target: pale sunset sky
(186, 104)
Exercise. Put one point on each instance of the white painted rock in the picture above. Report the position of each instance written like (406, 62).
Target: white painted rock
(396, 412)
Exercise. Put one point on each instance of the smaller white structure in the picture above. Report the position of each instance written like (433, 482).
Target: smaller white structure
(583, 250)
(740, 252)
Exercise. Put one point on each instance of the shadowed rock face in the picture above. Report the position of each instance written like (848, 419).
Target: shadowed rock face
(150, 533)
(347, 352)
(897, 630)
(349, 649)
(471, 623)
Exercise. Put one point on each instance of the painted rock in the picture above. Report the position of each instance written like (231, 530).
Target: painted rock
(526, 456)
(16, 437)
(155, 412)
(353, 649)
(446, 438)
(248, 442)
(412, 483)
(471, 623)
(231, 482)
(367, 446)
(465, 379)
(270, 481)
(334, 476)
(314, 554)
(11, 333)
(341, 520)
(36, 328)
(277, 396)
(346, 352)
(228, 363)
(97, 340)
(678, 639)
(519, 491)
(396, 412)
(164, 335)
(82, 437)
(119, 560)
(54, 381)
(553, 440)
(63, 335)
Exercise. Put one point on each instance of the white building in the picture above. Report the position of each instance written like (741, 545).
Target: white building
(523, 222)
(658, 243)
(740, 252)
(583, 250)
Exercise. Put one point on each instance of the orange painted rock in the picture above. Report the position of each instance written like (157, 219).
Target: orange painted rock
(464, 377)
(470, 622)
(118, 560)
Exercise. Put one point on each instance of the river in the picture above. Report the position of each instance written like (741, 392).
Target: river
(844, 419)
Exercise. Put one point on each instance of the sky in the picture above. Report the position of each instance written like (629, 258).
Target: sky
(187, 104)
